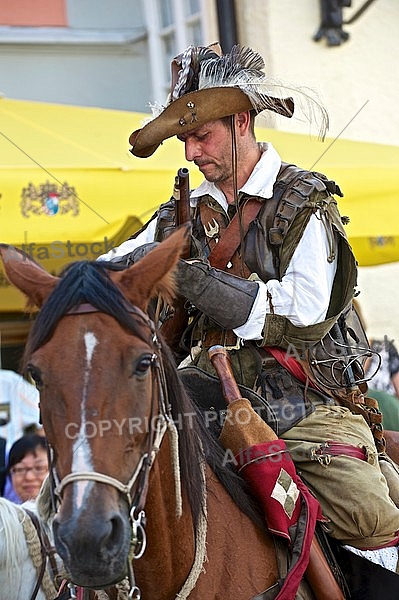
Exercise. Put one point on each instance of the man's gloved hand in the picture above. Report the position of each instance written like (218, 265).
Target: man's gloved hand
(196, 248)
(225, 298)
(135, 255)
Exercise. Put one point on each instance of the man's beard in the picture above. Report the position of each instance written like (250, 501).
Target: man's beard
(217, 175)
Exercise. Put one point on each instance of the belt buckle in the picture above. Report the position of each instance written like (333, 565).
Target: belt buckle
(320, 453)
(237, 345)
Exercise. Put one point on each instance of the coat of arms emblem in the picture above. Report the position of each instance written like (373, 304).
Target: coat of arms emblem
(49, 199)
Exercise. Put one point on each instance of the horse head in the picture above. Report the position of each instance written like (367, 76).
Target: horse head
(93, 353)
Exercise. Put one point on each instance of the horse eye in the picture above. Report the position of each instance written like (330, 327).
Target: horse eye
(35, 376)
(143, 364)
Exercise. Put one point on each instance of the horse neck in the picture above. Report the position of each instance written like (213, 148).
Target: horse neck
(171, 544)
(170, 540)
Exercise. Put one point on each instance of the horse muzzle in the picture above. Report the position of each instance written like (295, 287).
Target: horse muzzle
(94, 546)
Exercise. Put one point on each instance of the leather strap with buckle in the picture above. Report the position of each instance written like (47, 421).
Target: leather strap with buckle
(329, 449)
(222, 252)
(220, 337)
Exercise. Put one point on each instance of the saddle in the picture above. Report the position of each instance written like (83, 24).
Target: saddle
(356, 577)
(363, 579)
(212, 404)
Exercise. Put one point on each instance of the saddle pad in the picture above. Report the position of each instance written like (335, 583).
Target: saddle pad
(206, 392)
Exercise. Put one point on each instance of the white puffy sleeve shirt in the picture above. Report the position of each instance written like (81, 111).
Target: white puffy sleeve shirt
(303, 294)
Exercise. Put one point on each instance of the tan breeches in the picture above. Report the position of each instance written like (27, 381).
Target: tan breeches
(353, 493)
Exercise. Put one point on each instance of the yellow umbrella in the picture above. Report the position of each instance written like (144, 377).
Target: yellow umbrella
(69, 188)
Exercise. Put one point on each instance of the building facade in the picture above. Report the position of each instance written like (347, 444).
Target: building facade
(96, 52)
(116, 54)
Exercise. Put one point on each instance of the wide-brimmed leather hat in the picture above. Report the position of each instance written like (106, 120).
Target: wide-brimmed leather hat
(206, 86)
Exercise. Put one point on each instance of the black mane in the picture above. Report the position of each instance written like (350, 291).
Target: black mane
(80, 282)
(89, 282)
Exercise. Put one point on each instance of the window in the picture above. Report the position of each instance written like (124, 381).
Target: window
(194, 32)
(172, 25)
(192, 6)
(165, 10)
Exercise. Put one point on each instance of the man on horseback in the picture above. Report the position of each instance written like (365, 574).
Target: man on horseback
(271, 277)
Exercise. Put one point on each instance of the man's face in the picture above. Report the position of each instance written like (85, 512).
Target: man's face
(209, 147)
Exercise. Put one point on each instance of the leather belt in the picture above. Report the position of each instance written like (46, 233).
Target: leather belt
(325, 451)
(220, 337)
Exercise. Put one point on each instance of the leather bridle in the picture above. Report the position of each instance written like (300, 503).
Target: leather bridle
(136, 488)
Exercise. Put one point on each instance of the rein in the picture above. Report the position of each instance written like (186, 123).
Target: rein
(136, 488)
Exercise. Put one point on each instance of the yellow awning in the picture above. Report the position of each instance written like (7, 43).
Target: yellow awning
(69, 188)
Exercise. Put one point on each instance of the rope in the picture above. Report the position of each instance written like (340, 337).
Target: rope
(200, 546)
(358, 13)
(35, 552)
(235, 186)
(101, 595)
(123, 588)
(99, 477)
(174, 451)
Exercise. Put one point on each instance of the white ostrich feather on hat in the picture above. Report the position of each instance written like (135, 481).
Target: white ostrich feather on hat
(243, 68)
(239, 67)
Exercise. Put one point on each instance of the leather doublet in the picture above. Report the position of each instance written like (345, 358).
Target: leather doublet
(271, 240)
(213, 224)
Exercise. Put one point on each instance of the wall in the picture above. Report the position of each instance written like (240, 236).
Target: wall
(361, 70)
(70, 74)
(100, 58)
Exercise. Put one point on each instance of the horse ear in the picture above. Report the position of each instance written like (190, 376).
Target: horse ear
(153, 274)
(26, 275)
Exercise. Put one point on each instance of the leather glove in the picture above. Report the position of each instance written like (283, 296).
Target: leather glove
(225, 298)
(135, 255)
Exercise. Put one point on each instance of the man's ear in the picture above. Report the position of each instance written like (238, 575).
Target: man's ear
(243, 120)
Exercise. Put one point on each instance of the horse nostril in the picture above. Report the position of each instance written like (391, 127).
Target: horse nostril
(117, 529)
(71, 539)
(62, 548)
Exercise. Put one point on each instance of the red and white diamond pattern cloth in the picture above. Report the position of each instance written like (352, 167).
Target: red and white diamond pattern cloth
(286, 492)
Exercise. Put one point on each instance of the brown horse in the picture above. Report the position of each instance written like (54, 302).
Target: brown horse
(113, 407)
